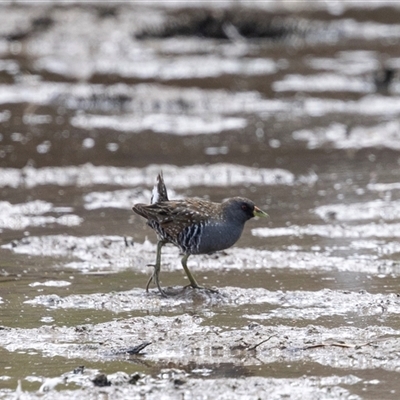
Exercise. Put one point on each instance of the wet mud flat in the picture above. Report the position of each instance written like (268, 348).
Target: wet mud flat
(247, 341)
(191, 357)
(294, 107)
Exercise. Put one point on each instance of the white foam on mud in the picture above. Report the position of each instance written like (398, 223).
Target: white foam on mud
(115, 253)
(183, 125)
(383, 187)
(380, 247)
(36, 207)
(323, 83)
(374, 105)
(340, 136)
(94, 252)
(305, 305)
(144, 99)
(172, 382)
(21, 222)
(178, 177)
(123, 199)
(344, 347)
(181, 110)
(372, 230)
(324, 303)
(368, 30)
(348, 62)
(20, 216)
(50, 284)
(376, 209)
(188, 67)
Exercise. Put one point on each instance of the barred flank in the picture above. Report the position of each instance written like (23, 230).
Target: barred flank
(189, 238)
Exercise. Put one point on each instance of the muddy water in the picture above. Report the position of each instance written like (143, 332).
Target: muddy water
(296, 108)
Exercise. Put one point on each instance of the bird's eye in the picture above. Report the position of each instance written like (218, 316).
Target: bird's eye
(245, 207)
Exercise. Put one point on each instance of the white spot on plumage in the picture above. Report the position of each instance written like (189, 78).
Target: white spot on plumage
(155, 195)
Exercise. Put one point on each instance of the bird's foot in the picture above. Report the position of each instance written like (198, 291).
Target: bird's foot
(196, 286)
(151, 277)
(154, 277)
(163, 292)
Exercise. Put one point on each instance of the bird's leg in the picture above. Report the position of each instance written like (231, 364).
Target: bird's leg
(193, 282)
(157, 268)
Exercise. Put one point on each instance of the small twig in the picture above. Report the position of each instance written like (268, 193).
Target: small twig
(137, 349)
(258, 344)
(132, 350)
(336, 344)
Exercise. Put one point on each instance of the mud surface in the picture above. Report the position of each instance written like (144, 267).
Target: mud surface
(294, 105)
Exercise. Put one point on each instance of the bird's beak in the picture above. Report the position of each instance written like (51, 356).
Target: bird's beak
(260, 213)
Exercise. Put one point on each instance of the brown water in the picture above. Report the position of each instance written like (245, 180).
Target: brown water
(287, 106)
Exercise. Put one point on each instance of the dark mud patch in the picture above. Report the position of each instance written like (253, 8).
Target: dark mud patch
(237, 24)
(227, 24)
(35, 213)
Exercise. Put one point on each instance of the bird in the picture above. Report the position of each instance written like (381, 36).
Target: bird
(193, 225)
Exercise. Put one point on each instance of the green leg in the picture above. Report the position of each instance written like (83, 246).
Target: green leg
(157, 268)
(193, 282)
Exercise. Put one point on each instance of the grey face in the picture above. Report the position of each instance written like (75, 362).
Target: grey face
(239, 209)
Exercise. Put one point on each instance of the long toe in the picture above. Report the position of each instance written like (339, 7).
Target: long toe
(163, 292)
(156, 279)
(160, 289)
(200, 288)
(148, 282)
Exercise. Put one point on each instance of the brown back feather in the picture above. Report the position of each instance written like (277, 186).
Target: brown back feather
(175, 216)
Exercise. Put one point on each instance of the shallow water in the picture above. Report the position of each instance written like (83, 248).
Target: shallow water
(285, 105)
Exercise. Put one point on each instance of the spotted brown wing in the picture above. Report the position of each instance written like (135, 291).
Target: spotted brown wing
(174, 216)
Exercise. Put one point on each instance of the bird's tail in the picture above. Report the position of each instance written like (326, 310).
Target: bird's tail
(159, 192)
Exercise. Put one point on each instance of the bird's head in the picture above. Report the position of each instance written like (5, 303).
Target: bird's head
(241, 209)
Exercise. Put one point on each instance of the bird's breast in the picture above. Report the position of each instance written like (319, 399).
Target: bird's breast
(218, 236)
